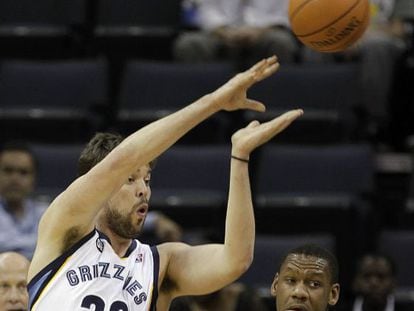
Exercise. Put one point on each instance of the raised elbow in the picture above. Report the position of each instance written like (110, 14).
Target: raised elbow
(242, 264)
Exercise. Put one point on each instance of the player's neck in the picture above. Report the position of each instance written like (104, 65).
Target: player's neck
(119, 244)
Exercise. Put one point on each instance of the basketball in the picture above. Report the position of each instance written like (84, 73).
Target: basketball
(329, 25)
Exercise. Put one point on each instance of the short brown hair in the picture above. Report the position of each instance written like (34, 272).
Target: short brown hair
(96, 150)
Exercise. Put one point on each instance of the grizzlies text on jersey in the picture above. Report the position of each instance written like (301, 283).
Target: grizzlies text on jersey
(91, 276)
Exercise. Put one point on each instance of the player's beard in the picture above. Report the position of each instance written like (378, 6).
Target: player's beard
(122, 225)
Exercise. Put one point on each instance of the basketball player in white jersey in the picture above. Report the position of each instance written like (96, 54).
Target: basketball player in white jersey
(86, 256)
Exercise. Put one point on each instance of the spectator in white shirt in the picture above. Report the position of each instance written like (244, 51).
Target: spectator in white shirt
(241, 30)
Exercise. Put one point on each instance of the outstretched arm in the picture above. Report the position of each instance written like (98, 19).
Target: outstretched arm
(71, 215)
(202, 269)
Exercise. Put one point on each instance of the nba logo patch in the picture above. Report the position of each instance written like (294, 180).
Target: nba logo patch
(139, 258)
(99, 245)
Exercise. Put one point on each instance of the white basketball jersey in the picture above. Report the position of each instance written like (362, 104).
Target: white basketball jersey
(91, 276)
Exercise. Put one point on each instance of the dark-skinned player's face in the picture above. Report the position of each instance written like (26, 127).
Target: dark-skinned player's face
(128, 208)
(304, 284)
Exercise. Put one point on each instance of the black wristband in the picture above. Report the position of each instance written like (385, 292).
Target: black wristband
(240, 159)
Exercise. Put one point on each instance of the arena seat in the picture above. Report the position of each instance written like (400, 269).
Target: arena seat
(41, 28)
(56, 167)
(150, 90)
(190, 184)
(51, 100)
(137, 28)
(328, 93)
(316, 189)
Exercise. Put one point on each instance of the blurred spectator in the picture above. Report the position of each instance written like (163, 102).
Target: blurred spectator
(20, 212)
(13, 286)
(238, 30)
(159, 228)
(373, 286)
(378, 52)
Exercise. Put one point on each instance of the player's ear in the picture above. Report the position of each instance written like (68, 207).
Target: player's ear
(334, 294)
(274, 285)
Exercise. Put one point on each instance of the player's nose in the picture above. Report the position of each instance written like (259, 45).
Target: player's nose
(300, 292)
(142, 189)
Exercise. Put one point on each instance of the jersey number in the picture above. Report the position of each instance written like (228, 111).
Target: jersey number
(99, 304)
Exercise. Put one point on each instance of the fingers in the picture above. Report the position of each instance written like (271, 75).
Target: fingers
(259, 65)
(263, 69)
(253, 124)
(292, 114)
(259, 71)
(280, 123)
(255, 105)
(268, 72)
(273, 127)
(255, 134)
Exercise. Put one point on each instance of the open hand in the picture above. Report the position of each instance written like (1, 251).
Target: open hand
(232, 95)
(255, 134)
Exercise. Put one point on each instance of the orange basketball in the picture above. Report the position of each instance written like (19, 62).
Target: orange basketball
(329, 25)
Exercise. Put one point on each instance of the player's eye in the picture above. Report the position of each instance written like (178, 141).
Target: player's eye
(315, 284)
(290, 280)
